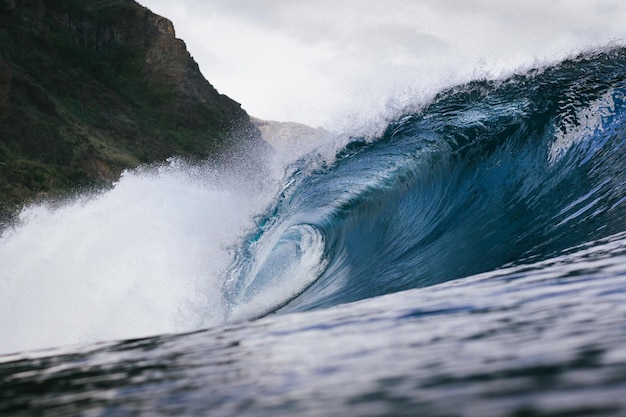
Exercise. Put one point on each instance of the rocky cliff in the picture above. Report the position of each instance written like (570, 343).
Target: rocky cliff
(90, 87)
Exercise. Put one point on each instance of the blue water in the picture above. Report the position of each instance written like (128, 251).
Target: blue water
(469, 261)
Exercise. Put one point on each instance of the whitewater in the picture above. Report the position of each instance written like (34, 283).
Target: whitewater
(469, 258)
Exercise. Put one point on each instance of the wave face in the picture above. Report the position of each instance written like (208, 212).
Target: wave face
(490, 174)
(471, 261)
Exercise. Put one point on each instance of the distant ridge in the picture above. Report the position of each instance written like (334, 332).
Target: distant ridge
(293, 139)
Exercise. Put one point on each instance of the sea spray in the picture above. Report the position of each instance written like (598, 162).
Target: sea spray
(140, 259)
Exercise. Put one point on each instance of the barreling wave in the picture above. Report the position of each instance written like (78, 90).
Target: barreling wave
(491, 174)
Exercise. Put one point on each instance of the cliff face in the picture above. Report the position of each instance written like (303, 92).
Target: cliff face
(90, 87)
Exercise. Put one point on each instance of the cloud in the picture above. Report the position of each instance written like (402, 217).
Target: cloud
(343, 62)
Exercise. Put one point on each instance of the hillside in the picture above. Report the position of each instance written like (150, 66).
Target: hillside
(292, 139)
(91, 87)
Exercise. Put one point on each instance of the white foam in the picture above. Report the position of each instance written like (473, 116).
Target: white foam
(141, 259)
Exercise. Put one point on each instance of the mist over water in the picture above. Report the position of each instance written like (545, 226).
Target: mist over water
(138, 260)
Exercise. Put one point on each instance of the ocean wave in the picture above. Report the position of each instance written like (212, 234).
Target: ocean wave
(490, 173)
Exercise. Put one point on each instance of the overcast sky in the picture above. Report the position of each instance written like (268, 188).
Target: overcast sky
(336, 63)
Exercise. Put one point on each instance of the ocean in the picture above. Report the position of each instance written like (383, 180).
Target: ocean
(469, 260)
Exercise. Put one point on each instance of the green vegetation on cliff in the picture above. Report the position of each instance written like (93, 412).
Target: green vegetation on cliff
(91, 87)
